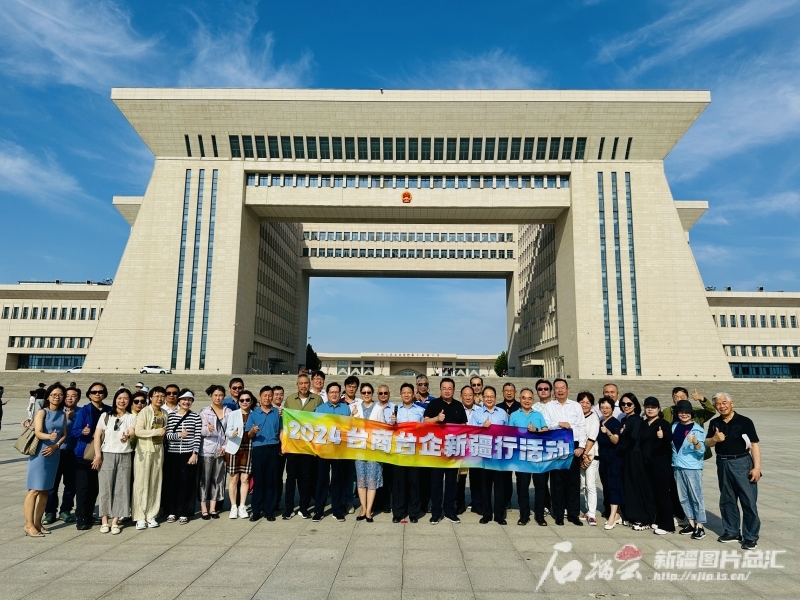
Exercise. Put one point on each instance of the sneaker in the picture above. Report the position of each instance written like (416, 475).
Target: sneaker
(640, 527)
(659, 531)
(351, 509)
(67, 517)
(546, 512)
(749, 545)
(339, 518)
(234, 513)
(287, 516)
(152, 524)
(699, 533)
(434, 521)
(688, 530)
(316, 518)
(592, 521)
(141, 525)
(727, 538)
(453, 519)
(48, 518)
(243, 511)
(171, 519)
(304, 514)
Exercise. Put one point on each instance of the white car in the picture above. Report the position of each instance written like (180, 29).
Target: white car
(75, 370)
(155, 369)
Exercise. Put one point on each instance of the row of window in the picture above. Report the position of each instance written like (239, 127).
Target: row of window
(403, 253)
(756, 321)
(50, 361)
(401, 236)
(45, 312)
(401, 148)
(765, 371)
(732, 350)
(461, 182)
(48, 342)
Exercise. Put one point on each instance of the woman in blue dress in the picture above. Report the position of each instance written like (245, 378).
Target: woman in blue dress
(50, 429)
(610, 463)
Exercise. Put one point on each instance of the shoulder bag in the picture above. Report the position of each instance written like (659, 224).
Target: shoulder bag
(88, 451)
(27, 443)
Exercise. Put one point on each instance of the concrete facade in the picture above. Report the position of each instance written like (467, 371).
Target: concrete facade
(600, 278)
(407, 364)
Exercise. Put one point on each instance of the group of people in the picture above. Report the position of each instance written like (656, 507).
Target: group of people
(147, 454)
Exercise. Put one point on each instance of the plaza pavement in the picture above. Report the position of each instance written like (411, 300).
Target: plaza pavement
(303, 560)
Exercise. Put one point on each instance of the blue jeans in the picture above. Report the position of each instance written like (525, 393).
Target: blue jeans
(690, 493)
(735, 485)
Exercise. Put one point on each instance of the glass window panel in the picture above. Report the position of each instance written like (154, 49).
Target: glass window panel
(551, 181)
(477, 146)
(515, 146)
(324, 148)
(555, 144)
(513, 180)
(462, 182)
(301, 181)
(425, 181)
(286, 147)
(413, 148)
(451, 148)
(387, 181)
(261, 146)
(375, 148)
(350, 148)
(526, 181)
(251, 179)
(325, 181)
(362, 149)
(273, 146)
(400, 148)
(311, 144)
(527, 151)
(438, 148)
(299, 151)
(235, 149)
(337, 181)
(463, 149)
(541, 148)
(502, 148)
(437, 181)
(247, 144)
(566, 153)
(400, 181)
(337, 148)
(475, 181)
(451, 182)
(387, 148)
(489, 154)
(351, 181)
(412, 181)
(580, 148)
(426, 148)
(363, 181)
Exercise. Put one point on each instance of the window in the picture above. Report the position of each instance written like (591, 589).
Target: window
(733, 320)
(484, 237)
(527, 152)
(426, 148)
(375, 148)
(437, 181)
(247, 144)
(772, 321)
(538, 181)
(551, 182)
(346, 253)
(752, 321)
(313, 181)
(451, 148)
(83, 314)
(261, 146)
(402, 253)
(337, 148)
(475, 181)
(489, 154)
(324, 148)
(526, 181)
(35, 313)
(25, 312)
(501, 237)
(509, 237)
(251, 179)
(288, 180)
(502, 148)
(566, 153)
(413, 148)
(363, 181)
(513, 181)
(311, 145)
(628, 148)
(501, 253)
(555, 144)
(783, 322)
(438, 148)
(299, 151)
(387, 148)
(580, 148)
(73, 314)
(564, 181)
(273, 147)
(468, 254)
(763, 320)
(742, 321)
(235, 150)
(188, 146)
(337, 181)
(450, 182)
(509, 254)
(477, 146)
(484, 254)
(460, 254)
(350, 181)
(500, 182)
(412, 181)
(462, 182)
(63, 313)
(452, 254)
(463, 149)
(371, 253)
(44, 312)
(541, 148)
(427, 253)
(387, 181)
(400, 181)
(400, 148)
(435, 254)
(792, 321)
(286, 147)
(600, 149)
(214, 144)
(362, 149)
(493, 237)
(349, 148)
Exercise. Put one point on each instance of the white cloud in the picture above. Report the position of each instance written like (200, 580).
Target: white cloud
(493, 70)
(88, 44)
(42, 181)
(689, 28)
(226, 58)
(713, 254)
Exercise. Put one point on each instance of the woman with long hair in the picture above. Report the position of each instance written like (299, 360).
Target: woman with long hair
(238, 458)
(369, 473)
(151, 423)
(214, 419)
(639, 509)
(112, 458)
(50, 429)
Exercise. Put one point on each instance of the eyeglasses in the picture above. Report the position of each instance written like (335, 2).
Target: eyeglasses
(543, 389)
(476, 384)
(383, 393)
(366, 393)
(245, 399)
(420, 384)
(626, 403)
(140, 401)
(237, 388)
(93, 392)
(172, 393)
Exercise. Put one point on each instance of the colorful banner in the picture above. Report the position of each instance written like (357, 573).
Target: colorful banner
(496, 447)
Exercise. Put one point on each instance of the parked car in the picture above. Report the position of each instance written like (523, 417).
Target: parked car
(75, 370)
(155, 369)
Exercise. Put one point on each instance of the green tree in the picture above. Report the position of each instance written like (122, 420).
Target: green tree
(501, 364)
(312, 360)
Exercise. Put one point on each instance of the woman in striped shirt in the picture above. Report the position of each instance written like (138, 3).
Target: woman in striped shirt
(183, 441)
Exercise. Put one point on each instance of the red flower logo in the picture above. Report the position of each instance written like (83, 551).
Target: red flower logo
(628, 552)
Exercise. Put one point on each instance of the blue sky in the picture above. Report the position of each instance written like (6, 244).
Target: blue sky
(65, 149)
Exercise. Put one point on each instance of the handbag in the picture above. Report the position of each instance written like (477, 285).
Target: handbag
(27, 443)
(88, 451)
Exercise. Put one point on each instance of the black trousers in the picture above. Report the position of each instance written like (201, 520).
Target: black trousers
(65, 473)
(565, 487)
(180, 483)
(383, 495)
(475, 490)
(662, 479)
(524, 495)
(332, 477)
(461, 492)
(265, 467)
(301, 473)
(87, 487)
(424, 475)
(443, 492)
(279, 469)
(508, 486)
(405, 492)
(496, 480)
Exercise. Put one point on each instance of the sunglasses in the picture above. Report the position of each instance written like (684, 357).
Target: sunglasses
(95, 392)
(245, 399)
(237, 389)
(172, 393)
(423, 385)
(140, 401)
(383, 393)
(542, 389)
(626, 403)
(366, 393)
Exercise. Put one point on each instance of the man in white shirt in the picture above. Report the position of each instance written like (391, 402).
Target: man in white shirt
(544, 394)
(565, 484)
(318, 385)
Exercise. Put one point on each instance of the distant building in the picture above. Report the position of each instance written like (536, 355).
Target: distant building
(407, 364)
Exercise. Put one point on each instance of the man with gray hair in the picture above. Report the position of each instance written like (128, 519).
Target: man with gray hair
(734, 438)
